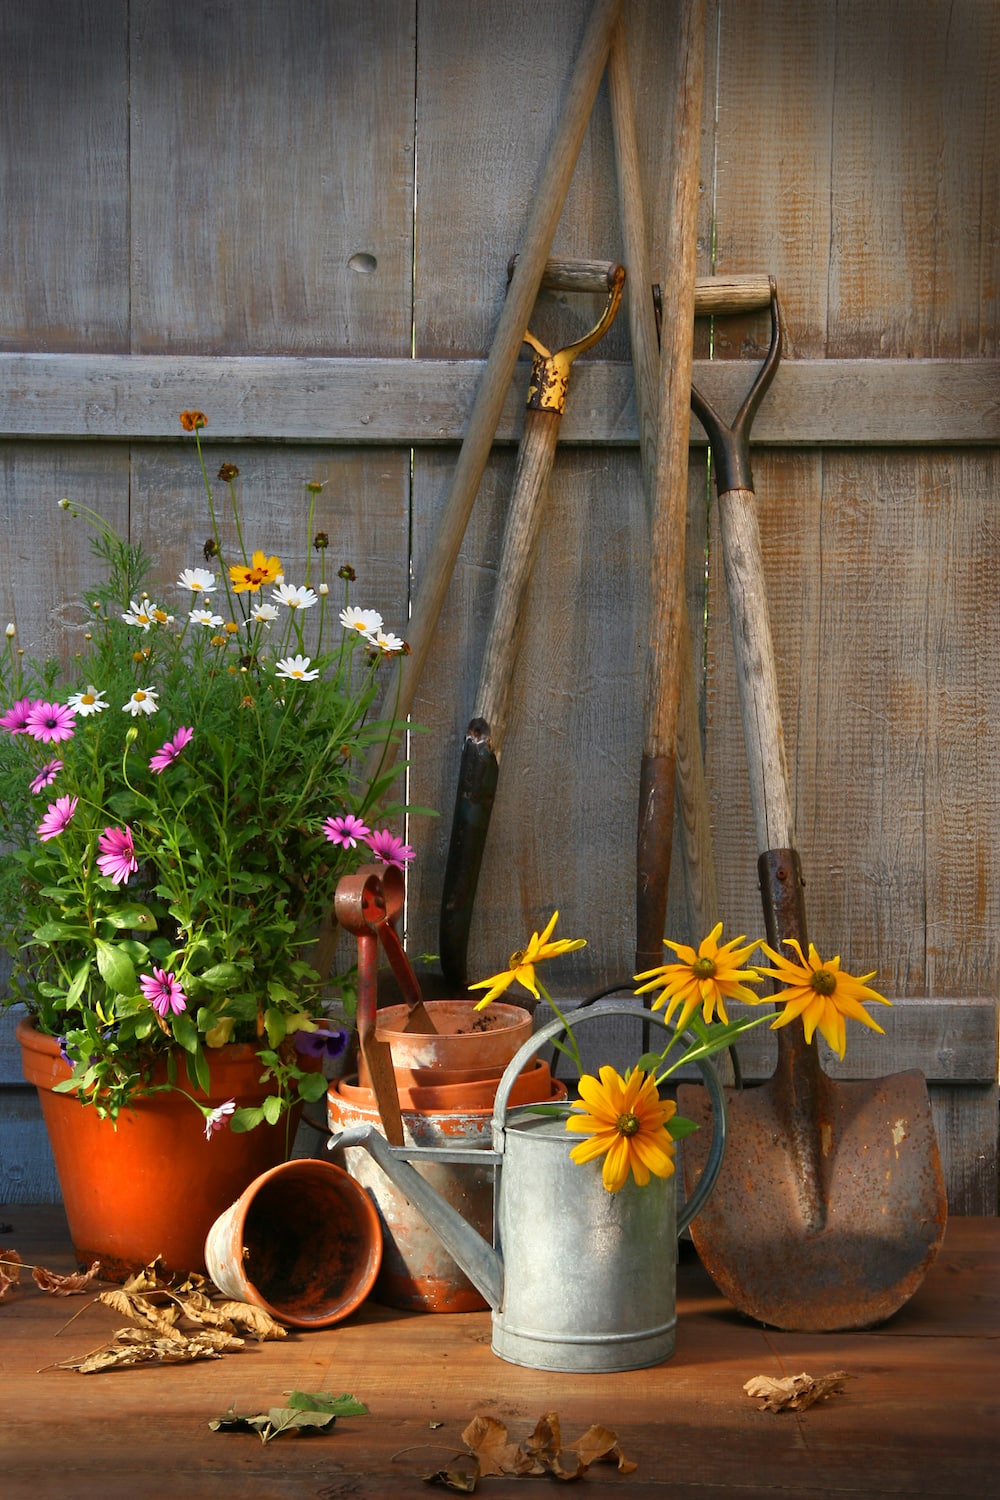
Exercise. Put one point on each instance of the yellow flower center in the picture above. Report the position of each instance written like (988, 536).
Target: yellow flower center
(823, 981)
(516, 959)
(87, 698)
(139, 696)
(703, 968)
(627, 1124)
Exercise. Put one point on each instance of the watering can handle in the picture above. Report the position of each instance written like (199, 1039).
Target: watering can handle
(598, 1011)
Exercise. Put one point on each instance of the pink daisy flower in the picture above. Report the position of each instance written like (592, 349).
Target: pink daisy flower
(15, 720)
(58, 816)
(346, 830)
(163, 992)
(389, 849)
(50, 722)
(46, 776)
(117, 858)
(169, 752)
(216, 1119)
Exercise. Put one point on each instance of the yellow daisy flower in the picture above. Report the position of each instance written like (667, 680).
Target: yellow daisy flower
(626, 1121)
(705, 978)
(821, 994)
(251, 579)
(522, 964)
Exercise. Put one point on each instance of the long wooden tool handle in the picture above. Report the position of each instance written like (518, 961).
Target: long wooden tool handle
(667, 636)
(756, 674)
(692, 796)
(547, 205)
(531, 479)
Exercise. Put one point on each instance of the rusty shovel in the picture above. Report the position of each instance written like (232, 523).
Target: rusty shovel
(480, 763)
(830, 1206)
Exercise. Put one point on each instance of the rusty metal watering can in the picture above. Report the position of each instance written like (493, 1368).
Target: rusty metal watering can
(579, 1279)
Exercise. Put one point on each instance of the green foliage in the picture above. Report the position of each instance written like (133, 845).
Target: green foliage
(226, 875)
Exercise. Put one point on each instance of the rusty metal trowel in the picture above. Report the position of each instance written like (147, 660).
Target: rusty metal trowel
(830, 1205)
(367, 903)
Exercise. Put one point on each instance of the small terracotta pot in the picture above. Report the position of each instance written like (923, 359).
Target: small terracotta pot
(303, 1242)
(464, 1037)
(418, 1274)
(445, 1094)
(153, 1185)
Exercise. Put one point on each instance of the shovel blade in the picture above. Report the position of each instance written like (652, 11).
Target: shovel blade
(378, 1061)
(848, 1260)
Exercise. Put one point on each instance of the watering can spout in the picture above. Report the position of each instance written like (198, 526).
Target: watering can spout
(478, 1260)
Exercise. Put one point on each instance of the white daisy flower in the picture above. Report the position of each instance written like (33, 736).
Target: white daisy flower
(198, 580)
(295, 598)
(362, 620)
(265, 614)
(386, 641)
(141, 614)
(295, 667)
(86, 703)
(142, 701)
(205, 617)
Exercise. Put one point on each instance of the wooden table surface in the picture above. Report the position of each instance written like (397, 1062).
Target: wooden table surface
(920, 1417)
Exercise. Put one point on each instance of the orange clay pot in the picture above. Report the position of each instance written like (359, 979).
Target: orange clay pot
(417, 1272)
(154, 1185)
(465, 1039)
(303, 1242)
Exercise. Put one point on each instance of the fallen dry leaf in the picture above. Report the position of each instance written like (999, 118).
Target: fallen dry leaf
(543, 1451)
(306, 1412)
(69, 1285)
(795, 1392)
(464, 1481)
(141, 1346)
(10, 1271)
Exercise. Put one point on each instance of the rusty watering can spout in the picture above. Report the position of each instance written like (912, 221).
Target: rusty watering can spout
(577, 1278)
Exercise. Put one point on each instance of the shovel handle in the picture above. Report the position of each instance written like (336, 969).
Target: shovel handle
(564, 275)
(756, 675)
(534, 468)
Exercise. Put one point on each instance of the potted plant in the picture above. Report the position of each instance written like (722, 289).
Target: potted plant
(179, 798)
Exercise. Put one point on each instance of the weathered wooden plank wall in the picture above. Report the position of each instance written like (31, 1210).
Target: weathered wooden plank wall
(320, 181)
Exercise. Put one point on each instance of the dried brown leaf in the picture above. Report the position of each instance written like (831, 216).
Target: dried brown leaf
(10, 1271)
(489, 1442)
(543, 1451)
(142, 1310)
(795, 1392)
(65, 1286)
(138, 1346)
(462, 1480)
(232, 1315)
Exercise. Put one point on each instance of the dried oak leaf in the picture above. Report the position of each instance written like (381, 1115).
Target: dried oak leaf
(543, 1451)
(463, 1481)
(10, 1271)
(795, 1392)
(65, 1286)
(142, 1310)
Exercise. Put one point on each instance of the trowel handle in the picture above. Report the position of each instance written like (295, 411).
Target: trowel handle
(596, 1012)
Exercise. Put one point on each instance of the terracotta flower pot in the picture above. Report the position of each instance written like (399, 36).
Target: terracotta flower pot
(464, 1039)
(418, 1273)
(303, 1242)
(154, 1185)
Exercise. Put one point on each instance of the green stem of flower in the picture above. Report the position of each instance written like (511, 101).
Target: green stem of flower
(569, 1048)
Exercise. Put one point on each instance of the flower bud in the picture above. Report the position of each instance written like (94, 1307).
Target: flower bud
(131, 735)
(11, 631)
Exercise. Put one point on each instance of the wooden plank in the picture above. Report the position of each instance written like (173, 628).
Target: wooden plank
(64, 176)
(271, 164)
(812, 403)
(917, 1417)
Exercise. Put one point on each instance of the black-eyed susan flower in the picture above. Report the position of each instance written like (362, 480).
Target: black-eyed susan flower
(821, 993)
(707, 978)
(522, 964)
(625, 1121)
(251, 579)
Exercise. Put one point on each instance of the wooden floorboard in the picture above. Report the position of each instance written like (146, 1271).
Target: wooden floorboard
(920, 1417)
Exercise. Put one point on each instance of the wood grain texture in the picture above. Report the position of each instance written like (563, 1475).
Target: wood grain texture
(254, 227)
(917, 1417)
(64, 176)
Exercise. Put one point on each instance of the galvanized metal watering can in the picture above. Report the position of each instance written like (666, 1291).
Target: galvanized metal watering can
(578, 1278)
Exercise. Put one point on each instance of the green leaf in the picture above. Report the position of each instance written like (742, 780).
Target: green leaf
(273, 1108)
(344, 1405)
(312, 1086)
(220, 976)
(246, 1118)
(185, 1032)
(680, 1126)
(51, 932)
(115, 967)
(134, 916)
